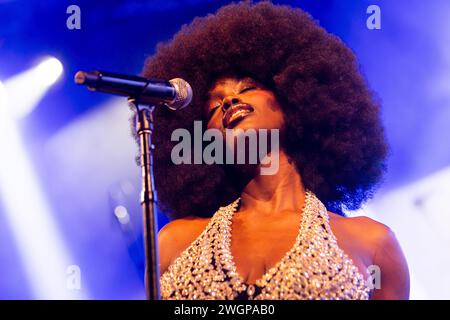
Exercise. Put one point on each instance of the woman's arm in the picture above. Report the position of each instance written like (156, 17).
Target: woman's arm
(393, 269)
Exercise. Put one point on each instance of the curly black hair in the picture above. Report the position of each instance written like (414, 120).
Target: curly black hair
(333, 131)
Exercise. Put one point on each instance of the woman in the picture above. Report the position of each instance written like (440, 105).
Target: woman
(240, 234)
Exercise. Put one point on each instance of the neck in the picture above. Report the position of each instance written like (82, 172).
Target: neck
(274, 194)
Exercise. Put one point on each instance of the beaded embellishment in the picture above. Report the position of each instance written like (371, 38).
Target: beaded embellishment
(314, 268)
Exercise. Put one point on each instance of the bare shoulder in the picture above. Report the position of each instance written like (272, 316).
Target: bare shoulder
(361, 230)
(176, 236)
(378, 244)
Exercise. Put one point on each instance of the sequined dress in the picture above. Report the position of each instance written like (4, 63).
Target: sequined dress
(314, 268)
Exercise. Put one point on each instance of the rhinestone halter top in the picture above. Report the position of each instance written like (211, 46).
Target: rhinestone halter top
(315, 267)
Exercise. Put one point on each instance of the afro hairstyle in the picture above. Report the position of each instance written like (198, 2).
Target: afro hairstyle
(333, 131)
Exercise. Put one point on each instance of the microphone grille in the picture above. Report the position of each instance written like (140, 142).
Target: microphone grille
(183, 94)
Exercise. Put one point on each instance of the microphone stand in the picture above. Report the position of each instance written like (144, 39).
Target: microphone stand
(144, 129)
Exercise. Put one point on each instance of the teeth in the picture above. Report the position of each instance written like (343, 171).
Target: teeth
(237, 114)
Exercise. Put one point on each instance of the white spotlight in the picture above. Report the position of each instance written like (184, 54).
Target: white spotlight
(122, 214)
(49, 70)
(26, 89)
(2, 95)
(40, 244)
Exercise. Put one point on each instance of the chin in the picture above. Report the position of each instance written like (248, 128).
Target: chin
(246, 124)
(250, 126)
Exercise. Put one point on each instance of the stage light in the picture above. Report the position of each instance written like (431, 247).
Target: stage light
(49, 70)
(26, 89)
(122, 214)
(41, 247)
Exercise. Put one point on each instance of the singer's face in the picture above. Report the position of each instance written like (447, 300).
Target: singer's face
(242, 104)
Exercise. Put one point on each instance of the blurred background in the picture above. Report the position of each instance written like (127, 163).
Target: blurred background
(70, 219)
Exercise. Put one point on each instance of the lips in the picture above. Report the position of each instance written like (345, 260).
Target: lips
(235, 114)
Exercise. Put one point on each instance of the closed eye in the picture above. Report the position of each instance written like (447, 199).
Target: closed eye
(247, 89)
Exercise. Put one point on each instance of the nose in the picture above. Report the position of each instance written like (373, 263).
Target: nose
(228, 101)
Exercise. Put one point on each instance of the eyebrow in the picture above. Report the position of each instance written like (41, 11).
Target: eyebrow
(248, 81)
(243, 81)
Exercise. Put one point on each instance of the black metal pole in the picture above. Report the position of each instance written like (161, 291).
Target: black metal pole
(144, 127)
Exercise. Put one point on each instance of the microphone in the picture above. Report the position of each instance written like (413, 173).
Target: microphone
(175, 94)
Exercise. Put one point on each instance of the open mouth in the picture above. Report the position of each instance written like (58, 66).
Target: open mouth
(235, 114)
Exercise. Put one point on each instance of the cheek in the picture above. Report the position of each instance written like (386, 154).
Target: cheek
(275, 121)
(272, 115)
(215, 122)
